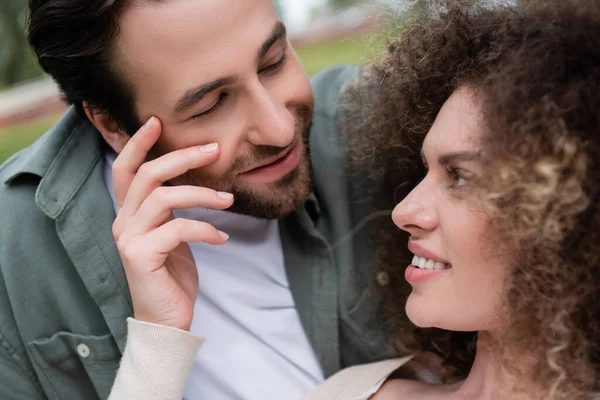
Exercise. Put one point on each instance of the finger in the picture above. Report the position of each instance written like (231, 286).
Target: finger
(155, 173)
(158, 207)
(170, 235)
(133, 156)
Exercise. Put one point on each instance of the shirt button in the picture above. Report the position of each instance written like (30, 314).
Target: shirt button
(83, 350)
(383, 278)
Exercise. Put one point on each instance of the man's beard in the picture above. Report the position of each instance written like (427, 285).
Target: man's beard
(272, 200)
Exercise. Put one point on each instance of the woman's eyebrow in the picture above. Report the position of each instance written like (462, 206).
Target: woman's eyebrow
(458, 156)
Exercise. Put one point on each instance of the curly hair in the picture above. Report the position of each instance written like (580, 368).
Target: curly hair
(535, 66)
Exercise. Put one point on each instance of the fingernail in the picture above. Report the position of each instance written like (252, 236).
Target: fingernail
(225, 196)
(148, 124)
(224, 235)
(209, 148)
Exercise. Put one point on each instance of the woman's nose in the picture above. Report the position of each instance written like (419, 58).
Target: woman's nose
(416, 213)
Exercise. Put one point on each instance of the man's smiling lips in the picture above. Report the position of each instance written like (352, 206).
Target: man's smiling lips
(276, 167)
(271, 160)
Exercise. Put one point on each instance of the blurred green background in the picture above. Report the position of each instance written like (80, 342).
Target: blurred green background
(17, 63)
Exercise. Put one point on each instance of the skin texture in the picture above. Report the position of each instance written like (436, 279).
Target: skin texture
(263, 112)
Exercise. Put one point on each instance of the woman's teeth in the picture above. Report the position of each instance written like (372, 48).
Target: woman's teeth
(424, 263)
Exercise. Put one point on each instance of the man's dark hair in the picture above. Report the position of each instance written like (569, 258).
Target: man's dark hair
(74, 43)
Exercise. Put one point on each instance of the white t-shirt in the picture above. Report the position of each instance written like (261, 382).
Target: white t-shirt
(256, 347)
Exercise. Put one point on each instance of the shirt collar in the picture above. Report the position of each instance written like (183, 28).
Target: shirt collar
(312, 207)
(62, 158)
(38, 158)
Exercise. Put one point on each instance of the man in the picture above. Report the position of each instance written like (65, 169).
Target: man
(283, 304)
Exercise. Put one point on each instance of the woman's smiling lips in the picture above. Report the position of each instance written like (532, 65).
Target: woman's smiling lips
(426, 265)
(275, 168)
(420, 251)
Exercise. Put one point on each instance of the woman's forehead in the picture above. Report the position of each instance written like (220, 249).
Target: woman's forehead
(458, 124)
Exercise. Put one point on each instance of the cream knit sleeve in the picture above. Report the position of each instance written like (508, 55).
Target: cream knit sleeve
(156, 362)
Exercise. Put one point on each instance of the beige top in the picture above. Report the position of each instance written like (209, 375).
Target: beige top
(158, 359)
(357, 383)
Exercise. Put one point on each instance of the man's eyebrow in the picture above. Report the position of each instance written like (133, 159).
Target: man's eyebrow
(195, 95)
(279, 32)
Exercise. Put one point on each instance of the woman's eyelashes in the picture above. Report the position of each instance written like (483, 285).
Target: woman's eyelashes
(458, 178)
(272, 68)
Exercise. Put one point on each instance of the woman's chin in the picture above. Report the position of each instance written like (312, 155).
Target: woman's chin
(419, 313)
(424, 314)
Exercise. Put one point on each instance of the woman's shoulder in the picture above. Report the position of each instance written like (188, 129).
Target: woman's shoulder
(405, 389)
(395, 389)
(358, 382)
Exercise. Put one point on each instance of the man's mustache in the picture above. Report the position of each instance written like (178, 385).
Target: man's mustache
(303, 122)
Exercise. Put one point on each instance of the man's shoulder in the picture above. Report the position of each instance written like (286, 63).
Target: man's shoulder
(9, 168)
(17, 191)
(20, 216)
(38, 158)
(19, 179)
(23, 173)
(329, 140)
(329, 86)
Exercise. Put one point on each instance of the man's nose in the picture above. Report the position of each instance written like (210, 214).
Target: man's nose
(272, 124)
(416, 214)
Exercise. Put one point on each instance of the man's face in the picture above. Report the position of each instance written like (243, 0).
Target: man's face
(223, 71)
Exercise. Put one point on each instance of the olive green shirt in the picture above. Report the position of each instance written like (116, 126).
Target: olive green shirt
(64, 298)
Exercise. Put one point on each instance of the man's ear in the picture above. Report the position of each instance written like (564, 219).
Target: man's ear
(108, 128)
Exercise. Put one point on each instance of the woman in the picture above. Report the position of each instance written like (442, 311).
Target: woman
(509, 100)
(504, 226)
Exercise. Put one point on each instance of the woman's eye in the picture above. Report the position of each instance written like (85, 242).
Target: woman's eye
(456, 178)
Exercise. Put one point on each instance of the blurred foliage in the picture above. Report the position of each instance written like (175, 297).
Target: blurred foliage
(354, 49)
(17, 62)
(344, 3)
(17, 137)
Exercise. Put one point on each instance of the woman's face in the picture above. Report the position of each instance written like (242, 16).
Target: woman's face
(456, 276)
